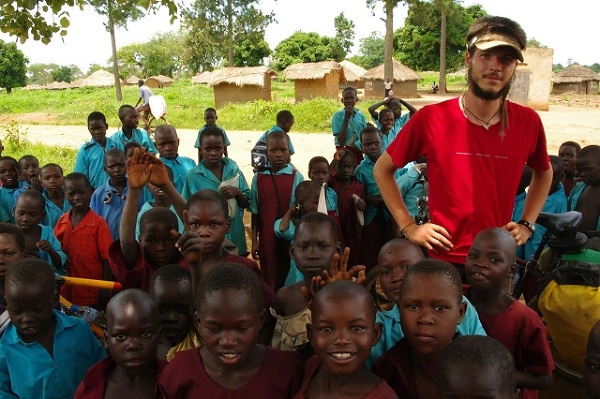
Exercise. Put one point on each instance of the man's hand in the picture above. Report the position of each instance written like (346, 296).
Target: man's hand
(520, 233)
(431, 236)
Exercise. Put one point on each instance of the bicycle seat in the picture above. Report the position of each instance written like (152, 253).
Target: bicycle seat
(560, 225)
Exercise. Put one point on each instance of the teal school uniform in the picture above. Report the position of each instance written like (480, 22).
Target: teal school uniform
(356, 124)
(199, 138)
(180, 166)
(139, 136)
(277, 129)
(48, 234)
(287, 170)
(90, 161)
(53, 212)
(7, 203)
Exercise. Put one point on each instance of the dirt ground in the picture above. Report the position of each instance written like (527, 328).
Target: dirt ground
(576, 119)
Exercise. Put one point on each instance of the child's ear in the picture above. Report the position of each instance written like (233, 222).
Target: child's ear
(462, 309)
(309, 332)
(228, 224)
(292, 248)
(105, 340)
(196, 318)
(376, 333)
(511, 271)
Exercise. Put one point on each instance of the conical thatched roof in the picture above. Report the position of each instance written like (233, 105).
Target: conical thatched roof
(32, 87)
(241, 76)
(352, 72)
(76, 83)
(100, 78)
(575, 74)
(162, 78)
(204, 77)
(132, 80)
(401, 72)
(57, 86)
(312, 70)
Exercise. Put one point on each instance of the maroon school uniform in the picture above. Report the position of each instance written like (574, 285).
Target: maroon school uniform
(94, 382)
(383, 390)
(268, 293)
(350, 228)
(279, 377)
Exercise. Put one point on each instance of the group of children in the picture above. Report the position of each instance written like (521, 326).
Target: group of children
(301, 325)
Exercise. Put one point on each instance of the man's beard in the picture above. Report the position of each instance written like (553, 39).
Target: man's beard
(487, 95)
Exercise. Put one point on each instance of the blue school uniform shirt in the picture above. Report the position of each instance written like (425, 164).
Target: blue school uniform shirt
(47, 233)
(7, 203)
(200, 178)
(555, 203)
(108, 203)
(391, 330)
(356, 124)
(277, 129)
(28, 371)
(294, 274)
(331, 199)
(199, 138)
(180, 166)
(287, 170)
(145, 208)
(53, 212)
(139, 136)
(90, 161)
(411, 185)
(399, 123)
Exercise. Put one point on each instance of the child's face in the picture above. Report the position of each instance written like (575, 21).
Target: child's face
(156, 192)
(457, 383)
(313, 249)
(175, 306)
(393, 262)
(345, 168)
(97, 129)
(489, 262)
(8, 174)
(78, 194)
(387, 121)
(9, 253)
(430, 311)
(396, 109)
(588, 170)
(157, 243)
(229, 323)
(371, 145)
(591, 370)
(114, 165)
(319, 172)
(349, 98)
(557, 176)
(28, 213)
(212, 148)
(568, 154)
(132, 335)
(287, 124)
(343, 332)
(207, 220)
(167, 143)
(210, 118)
(29, 167)
(30, 307)
(129, 152)
(52, 178)
(278, 152)
(130, 119)
(310, 204)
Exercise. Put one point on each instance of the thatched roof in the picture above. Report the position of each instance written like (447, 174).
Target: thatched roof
(132, 80)
(575, 74)
(100, 78)
(352, 72)
(161, 78)
(241, 76)
(204, 77)
(76, 83)
(402, 73)
(32, 87)
(57, 86)
(312, 70)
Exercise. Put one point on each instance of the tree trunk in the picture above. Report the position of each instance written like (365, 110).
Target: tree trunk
(443, 35)
(8, 90)
(388, 66)
(230, 31)
(111, 25)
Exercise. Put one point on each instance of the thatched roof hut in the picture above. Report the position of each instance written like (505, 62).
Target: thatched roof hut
(159, 81)
(353, 74)
(576, 79)
(132, 81)
(241, 84)
(204, 77)
(315, 79)
(100, 78)
(32, 87)
(405, 81)
(57, 86)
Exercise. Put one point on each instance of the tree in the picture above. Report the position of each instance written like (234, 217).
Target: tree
(344, 36)
(41, 19)
(13, 66)
(533, 42)
(303, 47)
(215, 28)
(66, 73)
(370, 51)
(41, 74)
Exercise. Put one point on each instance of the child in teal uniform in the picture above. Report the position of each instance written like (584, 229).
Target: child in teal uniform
(167, 144)
(43, 353)
(284, 123)
(210, 119)
(29, 173)
(56, 203)
(90, 157)
(395, 105)
(130, 119)
(9, 175)
(218, 172)
(318, 171)
(347, 124)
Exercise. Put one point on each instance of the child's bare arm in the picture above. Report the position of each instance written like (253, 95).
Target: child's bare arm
(191, 248)
(533, 381)
(234, 192)
(408, 106)
(286, 219)
(373, 108)
(45, 245)
(349, 111)
(254, 249)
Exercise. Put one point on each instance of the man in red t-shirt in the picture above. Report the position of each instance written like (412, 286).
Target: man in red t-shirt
(476, 147)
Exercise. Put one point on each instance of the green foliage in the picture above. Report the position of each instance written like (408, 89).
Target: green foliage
(344, 36)
(15, 136)
(417, 44)
(370, 52)
(66, 73)
(303, 47)
(533, 42)
(41, 74)
(230, 30)
(455, 82)
(13, 66)
(595, 67)
(42, 19)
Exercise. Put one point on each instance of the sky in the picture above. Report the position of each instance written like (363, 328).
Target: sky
(561, 26)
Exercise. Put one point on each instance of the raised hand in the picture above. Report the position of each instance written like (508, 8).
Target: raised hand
(138, 172)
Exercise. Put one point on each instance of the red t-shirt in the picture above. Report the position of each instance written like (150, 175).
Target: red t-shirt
(473, 172)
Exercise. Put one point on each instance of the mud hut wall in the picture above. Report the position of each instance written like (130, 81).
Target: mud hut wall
(592, 87)
(539, 64)
(569, 88)
(153, 83)
(327, 87)
(374, 88)
(231, 93)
